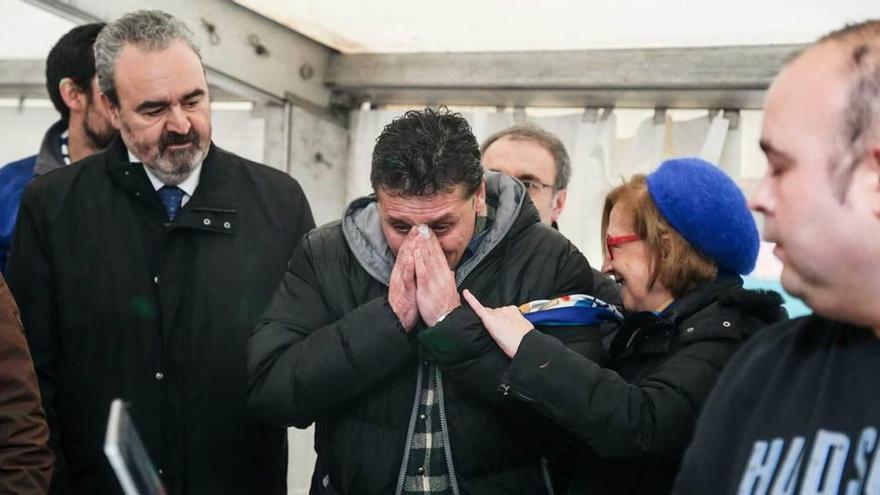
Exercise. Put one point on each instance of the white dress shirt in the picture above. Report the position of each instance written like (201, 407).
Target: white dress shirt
(188, 186)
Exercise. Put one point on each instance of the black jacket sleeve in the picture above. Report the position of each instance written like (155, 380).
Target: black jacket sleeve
(465, 351)
(304, 362)
(29, 275)
(618, 419)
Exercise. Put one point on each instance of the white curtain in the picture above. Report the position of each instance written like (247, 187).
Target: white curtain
(588, 142)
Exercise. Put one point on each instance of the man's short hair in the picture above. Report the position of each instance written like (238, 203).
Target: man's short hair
(547, 140)
(678, 266)
(426, 152)
(73, 57)
(861, 118)
(148, 30)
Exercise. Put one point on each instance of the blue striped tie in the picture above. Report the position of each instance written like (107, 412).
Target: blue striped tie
(171, 197)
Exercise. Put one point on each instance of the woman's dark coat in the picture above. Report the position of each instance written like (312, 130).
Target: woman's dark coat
(633, 420)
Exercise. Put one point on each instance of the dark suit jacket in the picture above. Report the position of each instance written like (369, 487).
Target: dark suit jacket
(120, 302)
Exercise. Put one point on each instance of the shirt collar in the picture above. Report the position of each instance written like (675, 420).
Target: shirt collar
(188, 185)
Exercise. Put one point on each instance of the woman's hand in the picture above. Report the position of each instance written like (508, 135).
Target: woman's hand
(506, 325)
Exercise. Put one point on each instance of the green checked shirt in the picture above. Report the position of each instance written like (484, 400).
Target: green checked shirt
(428, 466)
(428, 463)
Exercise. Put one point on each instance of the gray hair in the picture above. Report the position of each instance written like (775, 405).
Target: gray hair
(149, 30)
(547, 140)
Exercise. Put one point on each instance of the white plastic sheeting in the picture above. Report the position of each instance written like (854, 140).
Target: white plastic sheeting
(28, 32)
(353, 26)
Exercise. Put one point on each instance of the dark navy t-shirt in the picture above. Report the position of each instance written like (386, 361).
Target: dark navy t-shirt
(797, 411)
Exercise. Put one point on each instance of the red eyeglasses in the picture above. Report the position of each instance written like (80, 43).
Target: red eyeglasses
(612, 242)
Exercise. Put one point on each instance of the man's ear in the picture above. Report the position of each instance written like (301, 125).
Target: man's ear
(558, 204)
(112, 110)
(74, 97)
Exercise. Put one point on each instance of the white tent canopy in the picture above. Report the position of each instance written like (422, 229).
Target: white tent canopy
(396, 26)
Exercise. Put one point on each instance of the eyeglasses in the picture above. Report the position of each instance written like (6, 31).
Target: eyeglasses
(612, 242)
(533, 185)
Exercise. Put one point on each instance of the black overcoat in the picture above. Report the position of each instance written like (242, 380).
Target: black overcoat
(119, 302)
(330, 351)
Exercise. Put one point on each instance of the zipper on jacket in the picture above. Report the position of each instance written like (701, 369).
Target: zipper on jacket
(459, 279)
(447, 447)
(535, 404)
(441, 401)
(407, 449)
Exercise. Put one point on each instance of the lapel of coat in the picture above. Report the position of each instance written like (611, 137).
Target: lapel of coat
(132, 179)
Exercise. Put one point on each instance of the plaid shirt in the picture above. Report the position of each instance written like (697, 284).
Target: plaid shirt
(426, 470)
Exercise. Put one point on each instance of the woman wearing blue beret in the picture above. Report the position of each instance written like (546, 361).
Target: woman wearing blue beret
(677, 241)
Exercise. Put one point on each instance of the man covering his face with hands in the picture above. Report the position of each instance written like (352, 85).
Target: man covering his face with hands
(367, 336)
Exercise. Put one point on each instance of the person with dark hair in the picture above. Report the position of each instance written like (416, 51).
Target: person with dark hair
(367, 336)
(141, 271)
(84, 127)
(676, 242)
(25, 456)
(539, 160)
(798, 409)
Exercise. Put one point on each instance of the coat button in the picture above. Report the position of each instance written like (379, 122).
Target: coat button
(127, 172)
(422, 416)
(206, 221)
(156, 279)
(227, 225)
(421, 470)
(161, 472)
(690, 330)
(160, 376)
(725, 324)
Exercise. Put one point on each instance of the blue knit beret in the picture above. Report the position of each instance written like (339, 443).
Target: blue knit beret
(707, 208)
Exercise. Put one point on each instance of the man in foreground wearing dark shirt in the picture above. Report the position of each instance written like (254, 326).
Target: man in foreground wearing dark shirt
(798, 409)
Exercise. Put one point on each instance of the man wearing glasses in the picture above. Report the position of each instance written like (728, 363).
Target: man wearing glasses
(539, 160)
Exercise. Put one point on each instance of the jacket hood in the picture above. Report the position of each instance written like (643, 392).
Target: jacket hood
(49, 158)
(362, 227)
(728, 292)
(718, 309)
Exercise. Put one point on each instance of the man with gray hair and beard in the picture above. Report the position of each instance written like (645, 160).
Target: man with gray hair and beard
(141, 272)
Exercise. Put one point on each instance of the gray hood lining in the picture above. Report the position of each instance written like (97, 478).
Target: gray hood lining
(362, 227)
(49, 158)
